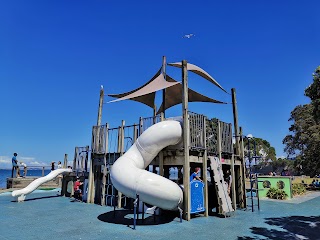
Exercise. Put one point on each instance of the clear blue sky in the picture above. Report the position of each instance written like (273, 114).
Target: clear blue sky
(56, 54)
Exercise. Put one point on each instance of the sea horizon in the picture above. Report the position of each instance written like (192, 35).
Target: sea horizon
(6, 173)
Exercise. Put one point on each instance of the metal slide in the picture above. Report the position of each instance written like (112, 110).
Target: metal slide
(221, 186)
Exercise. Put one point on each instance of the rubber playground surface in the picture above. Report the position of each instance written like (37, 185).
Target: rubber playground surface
(44, 215)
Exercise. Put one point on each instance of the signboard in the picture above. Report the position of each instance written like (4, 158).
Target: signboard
(197, 196)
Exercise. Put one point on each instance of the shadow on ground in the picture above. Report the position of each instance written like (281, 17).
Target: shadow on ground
(294, 227)
(125, 217)
(37, 198)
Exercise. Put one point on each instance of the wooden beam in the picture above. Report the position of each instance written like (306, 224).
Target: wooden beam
(100, 106)
(161, 167)
(65, 161)
(74, 166)
(186, 134)
(121, 148)
(91, 179)
(164, 64)
(104, 177)
(220, 156)
(204, 169)
(235, 120)
(233, 185)
(243, 202)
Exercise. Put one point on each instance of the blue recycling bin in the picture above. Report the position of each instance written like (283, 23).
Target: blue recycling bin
(197, 196)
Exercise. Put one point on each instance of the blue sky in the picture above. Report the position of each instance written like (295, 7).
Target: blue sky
(56, 54)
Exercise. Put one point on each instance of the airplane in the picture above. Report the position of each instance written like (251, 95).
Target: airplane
(188, 35)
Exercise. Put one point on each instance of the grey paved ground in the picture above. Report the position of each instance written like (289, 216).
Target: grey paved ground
(59, 218)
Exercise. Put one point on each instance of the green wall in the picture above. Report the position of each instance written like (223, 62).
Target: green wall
(265, 182)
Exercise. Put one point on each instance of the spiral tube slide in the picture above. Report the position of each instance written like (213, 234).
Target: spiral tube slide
(21, 194)
(128, 173)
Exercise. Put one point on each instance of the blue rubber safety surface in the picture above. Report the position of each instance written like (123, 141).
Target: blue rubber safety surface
(47, 216)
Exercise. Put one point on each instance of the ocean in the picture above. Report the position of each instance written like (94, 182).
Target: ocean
(6, 173)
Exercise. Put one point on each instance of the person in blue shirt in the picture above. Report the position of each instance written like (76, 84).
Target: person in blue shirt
(15, 165)
(195, 175)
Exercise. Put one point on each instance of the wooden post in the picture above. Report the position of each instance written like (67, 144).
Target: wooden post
(140, 126)
(65, 161)
(186, 134)
(242, 196)
(219, 147)
(154, 113)
(91, 180)
(204, 164)
(121, 150)
(74, 166)
(161, 167)
(235, 121)
(100, 106)
(220, 156)
(164, 63)
(86, 159)
(104, 177)
(135, 132)
(233, 186)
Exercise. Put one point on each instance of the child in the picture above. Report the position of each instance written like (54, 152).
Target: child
(24, 168)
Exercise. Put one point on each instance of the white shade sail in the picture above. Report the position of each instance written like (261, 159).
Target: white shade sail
(174, 96)
(146, 93)
(199, 71)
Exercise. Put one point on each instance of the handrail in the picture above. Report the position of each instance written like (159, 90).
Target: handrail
(34, 168)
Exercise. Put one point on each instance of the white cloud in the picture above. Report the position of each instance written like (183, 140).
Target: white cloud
(5, 162)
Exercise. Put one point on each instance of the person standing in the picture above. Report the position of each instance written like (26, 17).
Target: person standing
(24, 168)
(52, 166)
(228, 180)
(59, 165)
(15, 165)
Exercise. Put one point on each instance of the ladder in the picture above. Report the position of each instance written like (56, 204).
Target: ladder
(221, 187)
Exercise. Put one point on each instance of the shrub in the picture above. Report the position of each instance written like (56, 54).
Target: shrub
(277, 194)
(280, 185)
(298, 189)
(266, 184)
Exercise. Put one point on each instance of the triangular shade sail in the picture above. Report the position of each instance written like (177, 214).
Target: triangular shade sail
(146, 93)
(174, 96)
(195, 69)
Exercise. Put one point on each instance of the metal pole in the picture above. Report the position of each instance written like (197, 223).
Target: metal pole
(135, 204)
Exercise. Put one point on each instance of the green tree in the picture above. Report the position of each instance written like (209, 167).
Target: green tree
(283, 163)
(313, 92)
(304, 140)
(264, 149)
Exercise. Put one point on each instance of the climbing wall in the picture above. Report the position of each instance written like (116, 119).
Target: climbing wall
(221, 186)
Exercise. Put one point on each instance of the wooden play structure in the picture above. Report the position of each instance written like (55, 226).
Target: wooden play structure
(207, 143)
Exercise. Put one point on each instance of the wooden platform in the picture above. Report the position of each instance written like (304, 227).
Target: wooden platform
(25, 181)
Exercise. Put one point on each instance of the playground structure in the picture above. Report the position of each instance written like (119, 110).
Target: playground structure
(203, 143)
